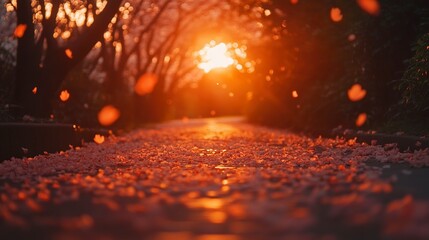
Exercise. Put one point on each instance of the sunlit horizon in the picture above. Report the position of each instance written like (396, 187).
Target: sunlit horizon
(215, 56)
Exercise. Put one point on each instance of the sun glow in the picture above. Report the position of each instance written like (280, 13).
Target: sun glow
(214, 56)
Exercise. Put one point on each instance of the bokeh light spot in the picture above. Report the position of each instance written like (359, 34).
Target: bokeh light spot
(145, 84)
(370, 6)
(108, 115)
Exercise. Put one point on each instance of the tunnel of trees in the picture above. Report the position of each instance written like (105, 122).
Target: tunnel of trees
(304, 64)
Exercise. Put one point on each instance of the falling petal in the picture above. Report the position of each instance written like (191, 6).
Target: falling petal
(146, 84)
(370, 6)
(361, 119)
(64, 96)
(34, 90)
(69, 53)
(99, 139)
(108, 115)
(294, 94)
(356, 93)
(20, 30)
(336, 15)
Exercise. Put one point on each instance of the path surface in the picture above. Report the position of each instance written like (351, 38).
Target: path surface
(217, 179)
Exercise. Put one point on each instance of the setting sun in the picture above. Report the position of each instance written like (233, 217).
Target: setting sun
(215, 56)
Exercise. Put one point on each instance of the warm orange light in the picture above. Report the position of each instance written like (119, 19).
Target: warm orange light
(69, 53)
(20, 30)
(361, 119)
(249, 96)
(370, 6)
(216, 216)
(108, 115)
(356, 93)
(294, 1)
(99, 139)
(267, 12)
(185, 119)
(294, 94)
(34, 90)
(64, 96)
(206, 203)
(215, 56)
(336, 15)
(145, 84)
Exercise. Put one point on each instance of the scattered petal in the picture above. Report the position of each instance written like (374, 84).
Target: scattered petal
(398, 205)
(99, 138)
(211, 172)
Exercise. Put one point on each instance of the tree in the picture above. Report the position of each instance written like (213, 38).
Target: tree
(159, 37)
(321, 59)
(58, 34)
(160, 40)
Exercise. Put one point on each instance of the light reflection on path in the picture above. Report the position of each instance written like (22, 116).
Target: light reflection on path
(212, 179)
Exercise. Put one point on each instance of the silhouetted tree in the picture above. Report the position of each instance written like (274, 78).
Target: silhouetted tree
(43, 58)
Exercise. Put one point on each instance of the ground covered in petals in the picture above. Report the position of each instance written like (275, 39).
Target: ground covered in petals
(217, 179)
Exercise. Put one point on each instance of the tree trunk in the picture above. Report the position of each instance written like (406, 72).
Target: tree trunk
(27, 62)
(52, 75)
(49, 73)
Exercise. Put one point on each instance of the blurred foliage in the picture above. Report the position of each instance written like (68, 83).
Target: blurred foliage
(85, 98)
(7, 74)
(415, 83)
(321, 60)
(301, 49)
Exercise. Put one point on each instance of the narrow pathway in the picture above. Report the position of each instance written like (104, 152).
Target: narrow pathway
(217, 179)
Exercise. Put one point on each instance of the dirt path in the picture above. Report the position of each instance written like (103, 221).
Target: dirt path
(217, 179)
